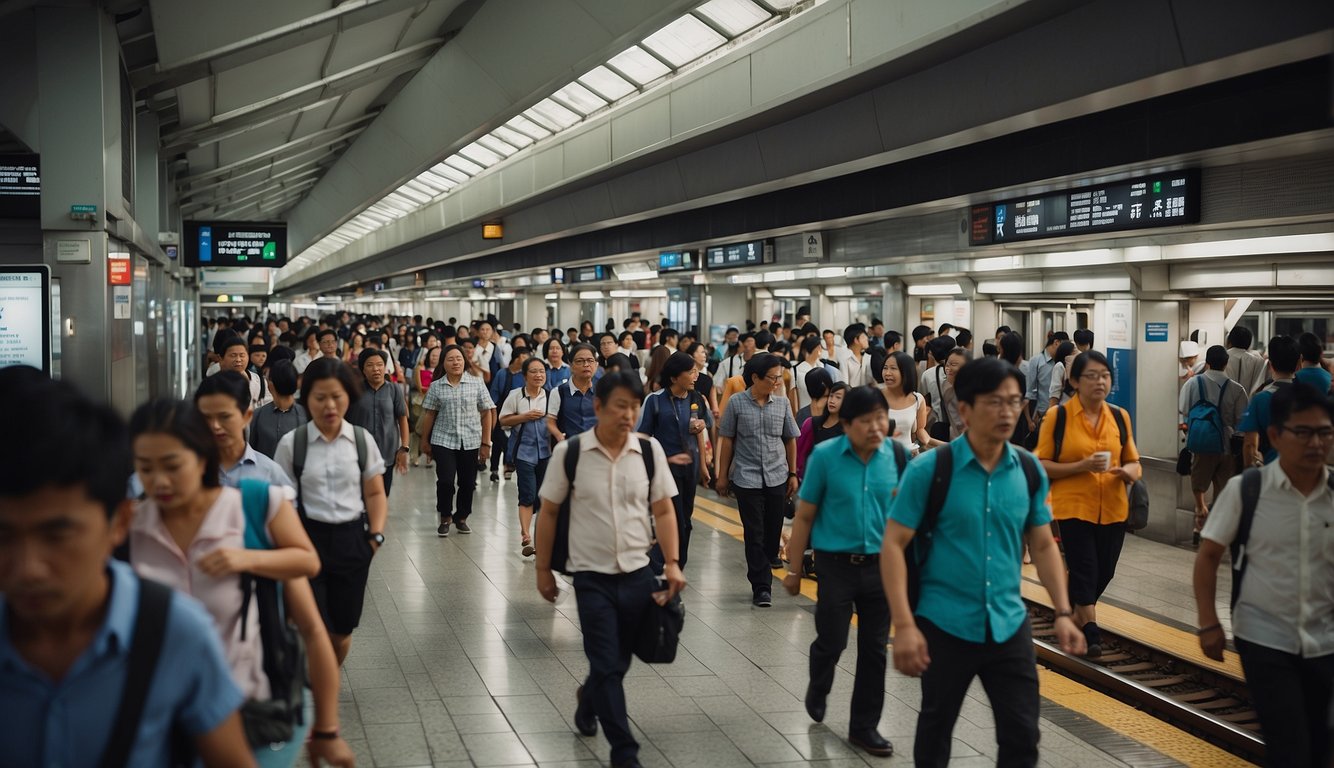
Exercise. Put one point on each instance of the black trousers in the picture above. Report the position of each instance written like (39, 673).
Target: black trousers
(345, 564)
(844, 587)
(686, 477)
(1293, 703)
(1091, 554)
(762, 525)
(454, 467)
(1010, 678)
(611, 608)
(499, 446)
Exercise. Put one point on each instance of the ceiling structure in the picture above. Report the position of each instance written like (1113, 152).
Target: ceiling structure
(257, 99)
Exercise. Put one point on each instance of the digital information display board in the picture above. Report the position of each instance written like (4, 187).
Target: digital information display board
(25, 316)
(678, 261)
(1152, 201)
(234, 244)
(739, 255)
(20, 187)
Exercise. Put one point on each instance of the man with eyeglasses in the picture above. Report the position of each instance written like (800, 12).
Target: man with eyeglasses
(571, 406)
(1278, 521)
(757, 450)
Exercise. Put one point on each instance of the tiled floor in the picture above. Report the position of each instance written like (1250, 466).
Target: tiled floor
(458, 662)
(1154, 579)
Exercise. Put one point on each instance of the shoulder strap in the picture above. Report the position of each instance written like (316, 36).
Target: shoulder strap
(1120, 416)
(150, 628)
(359, 436)
(940, 488)
(900, 456)
(646, 452)
(1058, 434)
(571, 462)
(1031, 474)
(1203, 396)
(300, 442)
(1250, 497)
(255, 504)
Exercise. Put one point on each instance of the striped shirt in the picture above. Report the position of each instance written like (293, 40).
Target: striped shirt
(458, 407)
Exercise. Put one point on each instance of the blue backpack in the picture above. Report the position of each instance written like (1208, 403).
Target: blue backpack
(1204, 423)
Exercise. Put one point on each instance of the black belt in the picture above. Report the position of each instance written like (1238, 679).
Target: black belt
(847, 557)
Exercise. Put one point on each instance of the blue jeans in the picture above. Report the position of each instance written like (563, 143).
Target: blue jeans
(530, 479)
(611, 607)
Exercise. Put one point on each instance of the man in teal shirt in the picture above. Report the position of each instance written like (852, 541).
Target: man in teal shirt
(842, 509)
(970, 618)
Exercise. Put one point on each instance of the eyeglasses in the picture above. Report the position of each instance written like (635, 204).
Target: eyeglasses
(1305, 434)
(583, 361)
(1095, 376)
(774, 379)
(999, 403)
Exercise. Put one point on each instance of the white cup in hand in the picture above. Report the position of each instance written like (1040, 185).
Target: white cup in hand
(1102, 461)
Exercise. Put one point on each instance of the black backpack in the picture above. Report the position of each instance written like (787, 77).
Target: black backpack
(1250, 497)
(919, 549)
(300, 446)
(1137, 493)
(284, 653)
(560, 546)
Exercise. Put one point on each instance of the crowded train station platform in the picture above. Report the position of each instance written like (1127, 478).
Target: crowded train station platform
(666, 383)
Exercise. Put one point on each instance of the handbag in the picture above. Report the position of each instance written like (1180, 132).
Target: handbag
(660, 633)
(1138, 514)
(1183, 462)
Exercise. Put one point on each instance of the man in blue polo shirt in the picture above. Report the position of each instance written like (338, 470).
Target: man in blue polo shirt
(842, 508)
(970, 620)
(1284, 358)
(70, 616)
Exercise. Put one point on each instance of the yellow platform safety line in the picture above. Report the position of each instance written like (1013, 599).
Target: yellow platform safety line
(1122, 718)
(1144, 630)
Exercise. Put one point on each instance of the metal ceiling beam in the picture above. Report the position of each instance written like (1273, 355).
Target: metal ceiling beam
(290, 102)
(173, 145)
(265, 187)
(268, 153)
(321, 157)
(160, 77)
(301, 185)
(197, 197)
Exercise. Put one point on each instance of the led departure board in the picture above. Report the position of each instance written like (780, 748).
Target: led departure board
(735, 255)
(234, 244)
(678, 261)
(1152, 201)
(20, 187)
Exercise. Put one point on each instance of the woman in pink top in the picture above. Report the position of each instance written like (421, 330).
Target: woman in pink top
(189, 533)
(425, 375)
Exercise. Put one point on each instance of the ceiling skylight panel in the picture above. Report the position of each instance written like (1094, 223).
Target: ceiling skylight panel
(734, 16)
(450, 172)
(512, 137)
(684, 40)
(607, 84)
(464, 164)
(481, 155)
(500, 147)
(579, 98)
(548, 112)
(638, 65)
(435, 181)
(527, 127)
(417, 195)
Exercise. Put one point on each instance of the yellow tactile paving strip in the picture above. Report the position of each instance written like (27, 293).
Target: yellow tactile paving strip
(1144, 630)
(1122, 718)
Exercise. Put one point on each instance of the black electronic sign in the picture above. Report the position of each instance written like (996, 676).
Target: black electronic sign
(234, 244)
(20, 187)
(678, 261)
(735, 255)
(1151, 201)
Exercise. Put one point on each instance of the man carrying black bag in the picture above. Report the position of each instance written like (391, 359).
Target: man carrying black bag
(602, 540)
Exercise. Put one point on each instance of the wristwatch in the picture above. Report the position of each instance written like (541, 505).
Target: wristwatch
(378, 538)
(403, 449)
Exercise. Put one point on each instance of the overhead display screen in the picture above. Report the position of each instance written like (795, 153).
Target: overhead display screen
(678, 261)
(25, 316)
(739, 255)
(20, 187)
(1151, 201)
(234, 244)
(589, 274)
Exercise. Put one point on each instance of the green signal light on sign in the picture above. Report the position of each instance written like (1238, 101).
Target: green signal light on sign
(1157, 187)
(270, 251)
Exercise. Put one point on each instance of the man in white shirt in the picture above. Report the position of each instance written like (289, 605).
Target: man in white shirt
(855, 364)
(1244, 366)
(609, 535)
(1283, 608)
(735, 364)
(236, 357)
(487, 350)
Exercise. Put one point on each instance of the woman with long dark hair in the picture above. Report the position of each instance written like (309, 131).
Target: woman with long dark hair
(1012, 352)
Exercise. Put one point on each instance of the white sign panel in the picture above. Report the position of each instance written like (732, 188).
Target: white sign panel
(25, 321)
(813, 245)
(120, 302)
(1120, 323)
(74, 251)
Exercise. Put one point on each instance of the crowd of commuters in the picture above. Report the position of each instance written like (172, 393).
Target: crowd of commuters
(902, 476)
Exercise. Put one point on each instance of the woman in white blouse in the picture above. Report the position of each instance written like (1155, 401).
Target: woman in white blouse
(524, 413)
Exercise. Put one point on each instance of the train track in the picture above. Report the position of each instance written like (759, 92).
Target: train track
(1210, 705)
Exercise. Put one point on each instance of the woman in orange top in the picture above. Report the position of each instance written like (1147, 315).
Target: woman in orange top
(1089, 486)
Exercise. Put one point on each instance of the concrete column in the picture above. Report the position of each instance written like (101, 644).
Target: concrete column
(77, 105)
(534, 311)
(567, 310)
(727, 305)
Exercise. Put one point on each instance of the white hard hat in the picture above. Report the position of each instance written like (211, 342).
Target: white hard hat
(1188, 349)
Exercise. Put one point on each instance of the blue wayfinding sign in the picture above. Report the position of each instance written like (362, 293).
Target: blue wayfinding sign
(1155, 331)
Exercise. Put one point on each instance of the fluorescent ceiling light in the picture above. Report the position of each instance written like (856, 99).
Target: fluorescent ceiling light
(746, 279)
(998, 263)
(792, 293)
(590, 295)
(934, 289)
(641, 275)
(1254, 246)
(1009, 286)
(640, 294)
(826, 273)
(506, 295)
(1091, 257)
(551, 296)
(780, 276)
(838, 290)
(477, 295)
